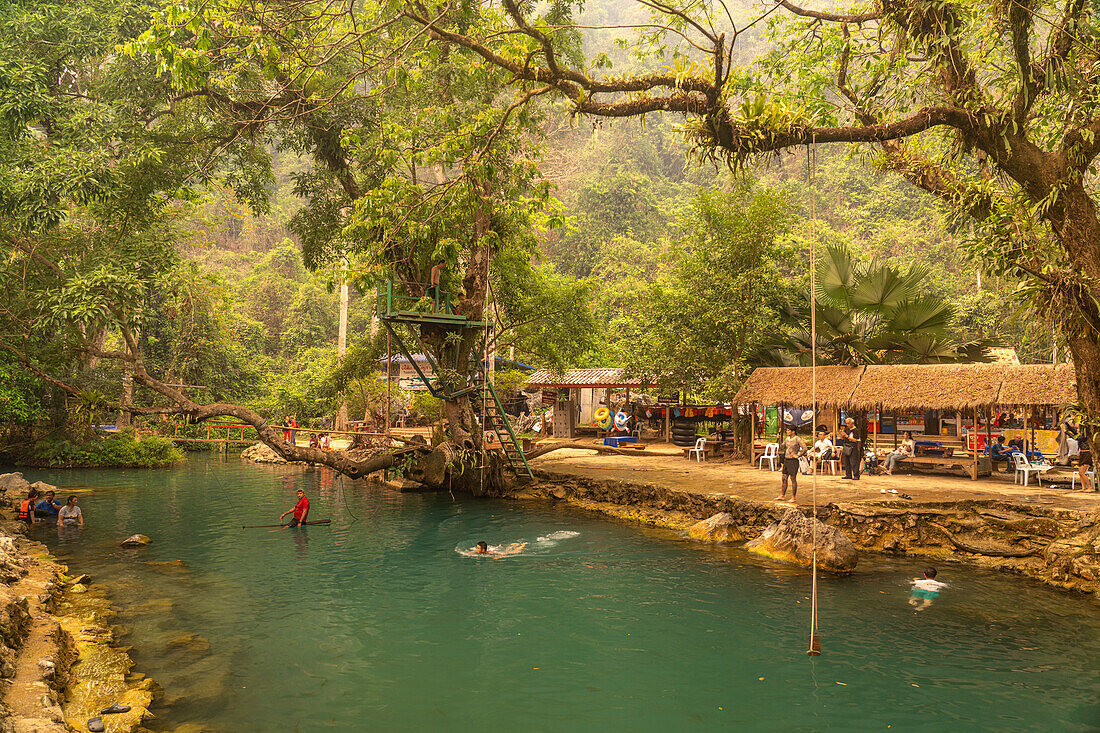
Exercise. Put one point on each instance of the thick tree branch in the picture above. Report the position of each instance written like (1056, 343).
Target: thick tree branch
(830, 17)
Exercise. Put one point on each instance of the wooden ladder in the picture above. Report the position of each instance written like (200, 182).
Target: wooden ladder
(497, 420)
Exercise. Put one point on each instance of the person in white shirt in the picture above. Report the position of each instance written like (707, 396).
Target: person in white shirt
(69, 515)
(905, 450)
(823, 447)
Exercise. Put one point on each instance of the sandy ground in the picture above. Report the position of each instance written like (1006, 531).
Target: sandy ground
(737, 478)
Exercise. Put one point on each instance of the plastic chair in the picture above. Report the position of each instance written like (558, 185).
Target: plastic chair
(1090, 472)
(1026, 468)
(700, 444)
(831, 463)
(771, 454)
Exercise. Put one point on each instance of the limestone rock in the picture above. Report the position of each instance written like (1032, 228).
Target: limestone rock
(14, 482)
(136, 540)
(720, 528)
(190, 643)
(791, 540)
(43, 487)
(83, 579)
(79, 588)
(261, 453)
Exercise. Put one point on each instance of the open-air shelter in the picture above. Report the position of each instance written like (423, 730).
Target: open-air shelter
(583, 387)
(966, 391)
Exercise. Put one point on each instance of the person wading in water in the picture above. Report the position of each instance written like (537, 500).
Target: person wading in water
(301, 511)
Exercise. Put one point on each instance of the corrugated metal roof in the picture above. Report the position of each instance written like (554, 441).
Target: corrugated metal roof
(581, 378)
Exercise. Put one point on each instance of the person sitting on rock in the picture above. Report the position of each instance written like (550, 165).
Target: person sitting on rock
(47, 507)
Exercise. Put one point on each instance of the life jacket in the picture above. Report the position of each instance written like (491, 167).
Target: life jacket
(25, 509)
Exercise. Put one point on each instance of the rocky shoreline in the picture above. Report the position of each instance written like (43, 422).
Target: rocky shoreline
(1060, 547)
(59, 665)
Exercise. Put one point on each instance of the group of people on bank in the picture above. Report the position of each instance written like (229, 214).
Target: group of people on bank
(848, 450)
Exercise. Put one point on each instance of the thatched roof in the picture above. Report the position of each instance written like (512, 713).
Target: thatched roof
(928, 386)
(792, 386)
(1039, 384)
(914, 386)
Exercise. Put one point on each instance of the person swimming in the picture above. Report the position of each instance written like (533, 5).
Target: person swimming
(925, 590)
(482, 548)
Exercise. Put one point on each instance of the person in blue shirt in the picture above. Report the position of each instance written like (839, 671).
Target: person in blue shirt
(47, 507)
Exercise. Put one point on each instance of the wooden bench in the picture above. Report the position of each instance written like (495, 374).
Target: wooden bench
(985, 467)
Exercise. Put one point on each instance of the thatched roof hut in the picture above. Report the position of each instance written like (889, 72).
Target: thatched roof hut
(914, 386)
(1038, 385)
(793, 386)
(928, 386)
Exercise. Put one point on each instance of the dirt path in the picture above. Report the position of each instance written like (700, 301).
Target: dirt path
(738, 479)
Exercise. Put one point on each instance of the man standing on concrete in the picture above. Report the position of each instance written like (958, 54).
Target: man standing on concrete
(792, 449)
(851, 450)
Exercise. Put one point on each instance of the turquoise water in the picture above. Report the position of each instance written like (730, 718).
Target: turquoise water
(379, 623)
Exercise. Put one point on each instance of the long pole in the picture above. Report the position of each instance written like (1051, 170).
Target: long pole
(389, 378)
(815, 642)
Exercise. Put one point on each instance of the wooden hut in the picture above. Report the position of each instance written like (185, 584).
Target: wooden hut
(968, 390)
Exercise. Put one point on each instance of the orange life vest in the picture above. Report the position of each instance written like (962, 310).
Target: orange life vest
(25, 509)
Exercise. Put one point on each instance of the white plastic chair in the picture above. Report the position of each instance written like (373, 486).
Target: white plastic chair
(1090, 472)
(700, 444)
(1025, 468)
(771, 454)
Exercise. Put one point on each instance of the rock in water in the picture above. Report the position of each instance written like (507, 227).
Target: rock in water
(720, 528)
(791, 540)
(136, 540)
(43, 487)
(261, 453)
(14, 482)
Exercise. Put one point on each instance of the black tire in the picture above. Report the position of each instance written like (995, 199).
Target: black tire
(683, 432)
(683, 443)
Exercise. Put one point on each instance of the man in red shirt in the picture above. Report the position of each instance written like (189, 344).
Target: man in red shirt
(301, 510)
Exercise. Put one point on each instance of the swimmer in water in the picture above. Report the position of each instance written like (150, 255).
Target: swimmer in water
(925, 590)
(481, 548)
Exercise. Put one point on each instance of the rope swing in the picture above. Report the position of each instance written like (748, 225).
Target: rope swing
(811, 165)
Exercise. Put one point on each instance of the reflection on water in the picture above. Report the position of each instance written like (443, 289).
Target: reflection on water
(375, 622)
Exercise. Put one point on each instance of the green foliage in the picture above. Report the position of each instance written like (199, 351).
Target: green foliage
(20, 393)
(700, 329)
(870, 313)
(425, 408)
(123, 450)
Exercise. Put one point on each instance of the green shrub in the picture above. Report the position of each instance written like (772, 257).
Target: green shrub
(123, 450)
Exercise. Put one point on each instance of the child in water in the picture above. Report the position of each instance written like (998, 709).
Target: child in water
(925, 590)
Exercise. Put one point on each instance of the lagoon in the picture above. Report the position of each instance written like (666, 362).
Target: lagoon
(379, 622)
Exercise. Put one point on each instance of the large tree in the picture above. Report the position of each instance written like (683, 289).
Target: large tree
(992, 107)
(419, 155)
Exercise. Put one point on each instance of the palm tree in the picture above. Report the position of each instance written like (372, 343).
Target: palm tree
(871, 314)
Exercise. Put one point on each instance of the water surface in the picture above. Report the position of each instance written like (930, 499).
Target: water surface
(378, 622)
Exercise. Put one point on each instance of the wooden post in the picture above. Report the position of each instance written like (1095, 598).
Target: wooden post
(895, 429)
(1025, 432)
(389, 375)
(878, 428)
(975, 434)
(668, 423)
(752, 433)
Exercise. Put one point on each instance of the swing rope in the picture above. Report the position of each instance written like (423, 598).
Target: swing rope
(811, 162)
